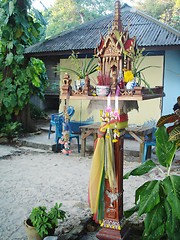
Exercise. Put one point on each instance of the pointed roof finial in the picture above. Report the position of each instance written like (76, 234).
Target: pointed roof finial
(117, 20)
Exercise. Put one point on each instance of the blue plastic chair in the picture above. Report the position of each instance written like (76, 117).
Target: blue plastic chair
(55, 120)
(148, 143)
(59, 128)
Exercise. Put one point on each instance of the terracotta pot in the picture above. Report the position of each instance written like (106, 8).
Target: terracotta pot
(102, 90)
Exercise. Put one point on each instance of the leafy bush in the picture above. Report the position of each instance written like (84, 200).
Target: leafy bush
(20, 77)
(160, 199)
(11, 130)
(44, 221)
(36, 112)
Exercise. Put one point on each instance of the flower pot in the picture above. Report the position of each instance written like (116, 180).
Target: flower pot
(77, 84)
(31, 231)
(102, 90)
(131, 84)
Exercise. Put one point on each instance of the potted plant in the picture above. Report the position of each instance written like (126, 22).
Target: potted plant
(103, 84)
(160, 199)
(135, 75)
(42, 223)
(80, 70)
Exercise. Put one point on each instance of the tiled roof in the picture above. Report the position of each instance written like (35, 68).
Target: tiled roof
(149, 32)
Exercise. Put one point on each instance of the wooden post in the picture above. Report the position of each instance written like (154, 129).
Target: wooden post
(114, 223)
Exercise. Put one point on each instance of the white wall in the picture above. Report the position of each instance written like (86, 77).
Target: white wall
(171, 80)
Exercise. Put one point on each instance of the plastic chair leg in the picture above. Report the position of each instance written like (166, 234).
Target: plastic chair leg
(49, 131)
(145, 152)
(78, 144)
(56, 146)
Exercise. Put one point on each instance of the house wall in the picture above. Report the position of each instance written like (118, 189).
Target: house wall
(52, 92)
(53, 76)
(149, 110)
(171, 80)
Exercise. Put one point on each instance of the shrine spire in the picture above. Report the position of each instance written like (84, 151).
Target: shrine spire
(117, 19)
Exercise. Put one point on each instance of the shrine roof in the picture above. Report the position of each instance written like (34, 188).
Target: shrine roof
(149, 32)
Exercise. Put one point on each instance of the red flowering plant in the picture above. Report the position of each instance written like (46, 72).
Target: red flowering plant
(103, 79)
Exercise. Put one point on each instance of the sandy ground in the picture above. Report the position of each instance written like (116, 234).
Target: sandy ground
(29, 179)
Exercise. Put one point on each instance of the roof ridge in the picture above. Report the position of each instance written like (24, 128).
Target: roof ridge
(171, 29)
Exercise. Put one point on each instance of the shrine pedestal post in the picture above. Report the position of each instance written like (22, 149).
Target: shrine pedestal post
(114, 223)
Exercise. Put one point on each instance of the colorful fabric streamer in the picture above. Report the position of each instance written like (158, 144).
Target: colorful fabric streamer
(98, 170)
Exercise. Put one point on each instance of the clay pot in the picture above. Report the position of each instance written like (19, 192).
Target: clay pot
(31, 231)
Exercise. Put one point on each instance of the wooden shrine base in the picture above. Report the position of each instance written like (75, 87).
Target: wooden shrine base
(111, 234)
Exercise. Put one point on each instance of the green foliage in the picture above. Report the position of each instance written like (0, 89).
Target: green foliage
(80, 70)
(136, 57)
(159, 199)
(166, 11)
(19, 77)
(11, 130)
(64, 15)
(43, 221)
(37, 112)
(39, 18)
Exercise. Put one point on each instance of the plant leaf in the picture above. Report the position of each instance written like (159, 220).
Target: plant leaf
(172, 223)
(149, 198)
(165, 149)
(154, 222)
(130, 211)
(9, 59)
(172, 187)
(155, 235)
(175, 134)
(167, 119)
(62, 69)
(141, 170)
(141, 189)
(177, 143)
(11, 8)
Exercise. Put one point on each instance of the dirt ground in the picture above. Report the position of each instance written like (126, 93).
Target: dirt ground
(31, 178)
